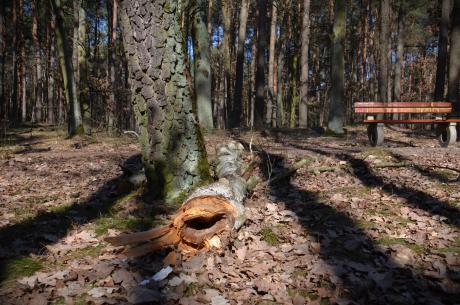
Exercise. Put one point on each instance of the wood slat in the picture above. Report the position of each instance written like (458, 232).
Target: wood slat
(416, 121)
(402, 104)
(402, 110)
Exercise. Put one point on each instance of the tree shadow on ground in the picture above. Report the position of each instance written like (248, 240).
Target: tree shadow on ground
(32, 235)
(364, 271)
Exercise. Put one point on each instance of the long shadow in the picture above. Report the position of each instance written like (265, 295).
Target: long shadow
(364, 271)
(30, 236)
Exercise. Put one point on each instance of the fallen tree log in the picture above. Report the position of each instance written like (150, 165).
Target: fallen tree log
(209, 213)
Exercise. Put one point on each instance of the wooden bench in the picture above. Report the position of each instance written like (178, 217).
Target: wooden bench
(438, 112)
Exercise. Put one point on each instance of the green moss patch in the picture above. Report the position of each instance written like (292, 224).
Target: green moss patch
(389, 241)
(269, 236)
(17, 267)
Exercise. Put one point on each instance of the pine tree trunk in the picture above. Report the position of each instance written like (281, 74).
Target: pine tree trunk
(50, 62)
(259, 106)
(75, 124)
(202, 66)
(112, 37)
(2, 62)
(303, 106)
(441, 66)
(384, 49)
(14, 107)
(227, 15)
(271, 66)
(335, 120)
(236, 117)
(83, 71)
(454, 59)
(280, 118)
(399, 57)
(37, 80)
(171, 142)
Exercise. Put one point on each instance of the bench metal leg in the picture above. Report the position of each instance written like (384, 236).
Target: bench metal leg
(375, 134)
(447, 134)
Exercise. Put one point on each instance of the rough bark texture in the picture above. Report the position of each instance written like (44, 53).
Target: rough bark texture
(83, 72)
(75, 124)
(384, 49)
(259, 106)
(50, 60)
(2, 61)
(227, 15)
(446, 9)
(202, 67)
(21, 64)
(303, 105)
(205, 215)
(236, 118)
(14, 97)
(271, 66)
(172, 146)
(37, 80)
(454, 59)
(112, 37)
(335, 121)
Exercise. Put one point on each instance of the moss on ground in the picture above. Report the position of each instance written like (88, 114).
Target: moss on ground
(269, 236)
(17, 267)
(389, 241)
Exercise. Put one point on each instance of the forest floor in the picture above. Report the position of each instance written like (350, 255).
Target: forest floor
(359, 225)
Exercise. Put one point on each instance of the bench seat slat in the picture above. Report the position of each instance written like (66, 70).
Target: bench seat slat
(403, 110)
(402, 104)
(416, 121)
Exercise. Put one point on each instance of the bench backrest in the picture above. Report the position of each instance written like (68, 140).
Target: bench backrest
(403, 107)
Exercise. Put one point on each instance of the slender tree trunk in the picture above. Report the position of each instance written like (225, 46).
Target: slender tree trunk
(14, 111)
(50, 61)
(271, 66)
(454, 59)
(172, 146)
(22, 62)
(399, 57)
(83, 71)
(75, 124)
(280, 118)
(37, 80)
(335, 121)
(210, 20)
(227, 15)
(202, 66)
(259, 106)
(384, 49)
(239, 81)
(442, 50)
(2, 62)
(112, 37)
(303, 106)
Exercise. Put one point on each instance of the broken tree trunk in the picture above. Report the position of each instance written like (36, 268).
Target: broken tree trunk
(212, 210)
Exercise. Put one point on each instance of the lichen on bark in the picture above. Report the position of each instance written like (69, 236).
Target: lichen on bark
(172, 145)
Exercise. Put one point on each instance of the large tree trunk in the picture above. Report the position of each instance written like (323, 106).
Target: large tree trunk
(399, 57)
(335, 121)
(37, 79)
(2, 62)
(259, 106)
(239, 81)
(271, 66)
(112, 37)
(442, 50)
(384, 49)
(171, 142)
(454, 59)
(209, 211)
(75, 124)
(83, 71)
(303, 106)
(50, 62)
(202, 67)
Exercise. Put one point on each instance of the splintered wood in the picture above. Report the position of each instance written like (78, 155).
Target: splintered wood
(210, 211)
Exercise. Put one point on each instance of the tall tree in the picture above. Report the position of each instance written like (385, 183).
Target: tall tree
(399, 55)
(261, 63)
(271, 66)
(239, 75)
(201, 65)
(303, 105)
(336, 110)
(172, 146)
(2, 61)
(37, 79)
(75, 123)
(50, 62)
(443, 40)
(227, 15)
(384, 49)
(112, 37)
(454, 58)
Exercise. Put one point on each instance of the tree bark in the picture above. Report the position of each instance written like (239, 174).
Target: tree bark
(227, 15)
(37, 79)
(399, 57)
(15, 100)
(112, 37)
(239, 81)
(75, 124)
(384, 49)
(202, 66)
(171, 142)
(335, 121)
(443, 40)
(271, 67)
(303, 105)
(2, 62)
(50, 62)
(454, 59)
(259, 106)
